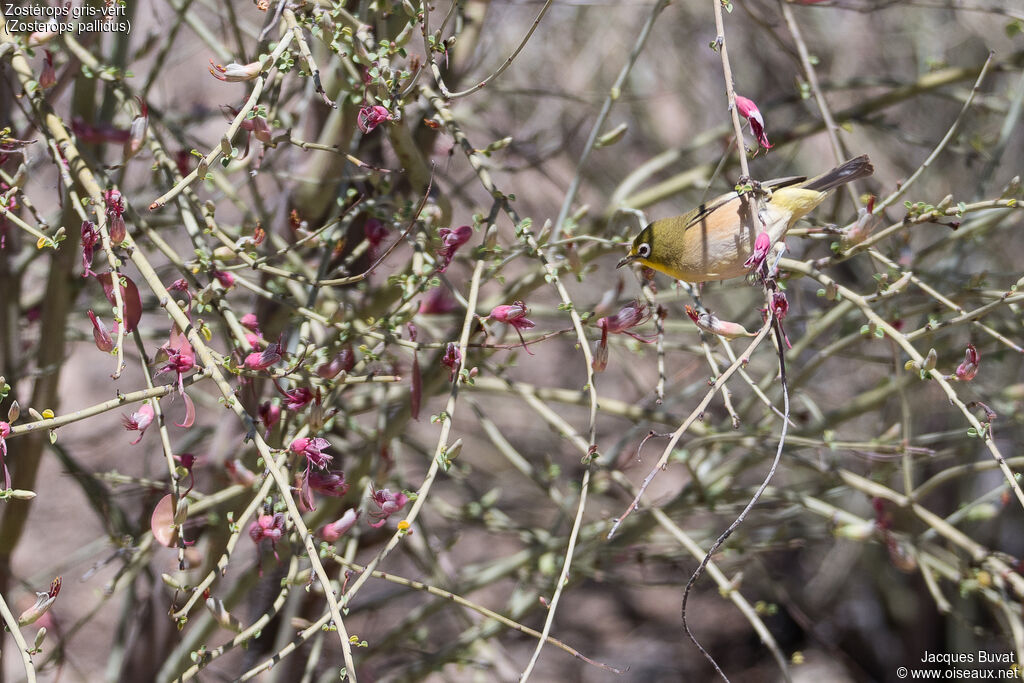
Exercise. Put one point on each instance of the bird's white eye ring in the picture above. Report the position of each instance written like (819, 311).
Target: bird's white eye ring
(644, 250)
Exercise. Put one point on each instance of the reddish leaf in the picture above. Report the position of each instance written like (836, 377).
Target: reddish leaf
(162, 522)
(190, 412)
(130, 297)
(417, 388)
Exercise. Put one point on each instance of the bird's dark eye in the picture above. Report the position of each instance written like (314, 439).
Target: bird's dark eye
(644, 250)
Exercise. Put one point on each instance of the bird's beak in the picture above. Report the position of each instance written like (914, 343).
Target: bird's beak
(629, 259)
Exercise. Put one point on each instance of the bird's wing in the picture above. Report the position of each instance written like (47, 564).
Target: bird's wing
(704, 210)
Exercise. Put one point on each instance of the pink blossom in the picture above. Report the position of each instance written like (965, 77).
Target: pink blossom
(137, 132)
(267, 528)
(343, 361)
(187, 461)
(371, 117)
(53, 29)
(600, 361)
(253, 337)
(179, 360)
(375, 232)
(97, 134)
(335, 530)
(44, 601)
(261, 129)
(967, 370)
(5, 431)
(226, 280)
(452, 359)
(780, 305)
(749, 110)
(250, 322)
(331, 484)
(262, 360)
(312, 448)
(514, 314)
(296, 399)
(90, 238)
(139, 421)
(451, 240)
(709, 322)
(234, 72)
(48, 78)
(115, 216)
(762, 245)
(104, 342)
(388, 502)
(438, 301)
(629, 316)
(269, 414)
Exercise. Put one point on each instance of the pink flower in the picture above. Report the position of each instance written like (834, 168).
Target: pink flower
(749, 111)
(267, 528)
(253, 337)
(327, 483)
(257, 361)
(967, 370)
(104, 342)
(179, 360)
(115, 216)
(762, 245)
(629, 316)
(250, 322)
(226, 280)
(452, 359)
(332, 532)
(5, 431)
(343, 361)
(139, 420)
(780, 305)
(388, 502)
(451, 240)
(514, 314)
(90, 238)
(709, 322)
(313, 449)
(371, 117)
(375, 232)
(600, 361)
(44, 601)
(234, 73)
(261, 129)
(137, 132)
(296, 399)
(187, 460)
(48, 78)
(96, 134)
(269, 414)
(331, 484)
(438, 302)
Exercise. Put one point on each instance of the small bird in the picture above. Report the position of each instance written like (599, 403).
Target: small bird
(715, 240)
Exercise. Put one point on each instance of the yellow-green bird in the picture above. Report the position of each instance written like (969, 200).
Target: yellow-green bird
(713, 241)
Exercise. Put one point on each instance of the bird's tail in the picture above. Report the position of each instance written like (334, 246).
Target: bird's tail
(858, 167)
